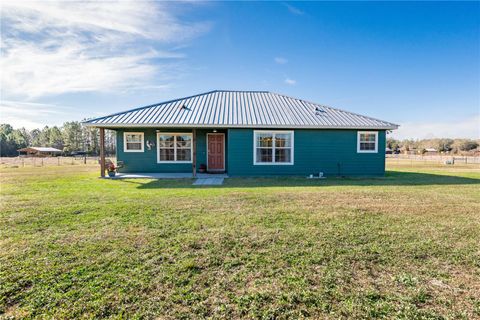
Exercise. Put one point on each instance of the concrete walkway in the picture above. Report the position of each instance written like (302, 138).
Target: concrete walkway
(173, 175)
(208, 182)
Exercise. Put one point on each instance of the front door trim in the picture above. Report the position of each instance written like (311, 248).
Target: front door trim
(222, 134)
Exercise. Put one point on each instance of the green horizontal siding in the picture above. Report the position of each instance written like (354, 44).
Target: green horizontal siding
(147, 161)
(333, 152)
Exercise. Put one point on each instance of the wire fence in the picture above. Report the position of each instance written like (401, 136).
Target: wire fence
(19, 162)
(432, 159)
(398, 159)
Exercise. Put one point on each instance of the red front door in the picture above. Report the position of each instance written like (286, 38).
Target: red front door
(216, 154)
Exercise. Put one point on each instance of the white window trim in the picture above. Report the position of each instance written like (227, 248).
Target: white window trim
(175, 146)
(376, 141)
(292, 148)
(125, 141)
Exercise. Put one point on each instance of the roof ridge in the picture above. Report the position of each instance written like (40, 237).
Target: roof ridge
(336, 109)
(222, 90)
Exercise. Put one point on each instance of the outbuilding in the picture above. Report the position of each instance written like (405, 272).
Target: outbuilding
(39, 152)
(246, 133)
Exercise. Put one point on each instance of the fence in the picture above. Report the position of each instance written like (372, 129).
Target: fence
(19, 162)
(433, 159)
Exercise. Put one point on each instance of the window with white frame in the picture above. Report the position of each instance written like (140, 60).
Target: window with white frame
(133, 141)
(367, 141)
(273, 147)
(174, 147)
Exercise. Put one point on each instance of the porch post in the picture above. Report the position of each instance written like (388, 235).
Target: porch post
(102, 152)
(194, 146)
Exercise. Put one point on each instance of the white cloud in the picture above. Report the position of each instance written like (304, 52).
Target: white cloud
(33, 115)
(51, 48)
(294, 10)
(280, 60)
(456, 128)
(290, 82)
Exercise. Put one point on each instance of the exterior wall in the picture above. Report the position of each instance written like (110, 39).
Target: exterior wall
(147, 161)
(333, 152)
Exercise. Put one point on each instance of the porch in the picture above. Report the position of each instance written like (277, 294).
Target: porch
(167, 175)
(168, 153)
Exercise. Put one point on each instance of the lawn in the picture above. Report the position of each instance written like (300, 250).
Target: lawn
(404, 246)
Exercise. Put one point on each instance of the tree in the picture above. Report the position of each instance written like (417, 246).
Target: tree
(393, 144)
(467, 145)
(55, 138)
(20, 138)
(35, 138)
(43, 137)
(91, 140)
(445, 145)
(6, 146)
(12, 139)
(72, 136)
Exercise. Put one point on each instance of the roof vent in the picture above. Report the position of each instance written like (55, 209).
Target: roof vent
(319, 111)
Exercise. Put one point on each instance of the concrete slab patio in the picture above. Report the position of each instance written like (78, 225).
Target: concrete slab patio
(172, 175)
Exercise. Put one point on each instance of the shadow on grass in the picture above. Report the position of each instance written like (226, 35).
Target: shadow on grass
(392, 178)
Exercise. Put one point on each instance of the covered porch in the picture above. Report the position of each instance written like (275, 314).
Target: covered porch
(167, 175)
(168, 153)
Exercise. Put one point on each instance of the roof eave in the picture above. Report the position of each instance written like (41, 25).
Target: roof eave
(157, 125)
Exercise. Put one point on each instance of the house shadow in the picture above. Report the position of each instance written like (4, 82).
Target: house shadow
(391, 178)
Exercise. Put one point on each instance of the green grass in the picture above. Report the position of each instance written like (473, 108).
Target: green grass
(404, 246)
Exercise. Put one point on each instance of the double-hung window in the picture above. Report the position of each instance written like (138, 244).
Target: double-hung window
(367, 141)
(273, 147)
(133, 141)
(174, 147)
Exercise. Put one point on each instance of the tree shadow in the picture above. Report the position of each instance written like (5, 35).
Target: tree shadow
(391, 178)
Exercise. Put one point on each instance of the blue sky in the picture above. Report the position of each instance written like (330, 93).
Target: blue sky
(415, 64)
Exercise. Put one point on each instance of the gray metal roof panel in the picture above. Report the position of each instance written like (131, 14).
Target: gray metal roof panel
(239, 109)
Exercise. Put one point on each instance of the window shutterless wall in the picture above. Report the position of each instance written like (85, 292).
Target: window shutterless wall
(333, 152)
(146, 161)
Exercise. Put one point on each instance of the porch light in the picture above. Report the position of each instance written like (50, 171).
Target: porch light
(214, 130)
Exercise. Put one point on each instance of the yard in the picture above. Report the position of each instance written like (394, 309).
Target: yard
(403, 246)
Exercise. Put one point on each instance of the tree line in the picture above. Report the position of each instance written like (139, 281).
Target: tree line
(70, 137)
(445, 145)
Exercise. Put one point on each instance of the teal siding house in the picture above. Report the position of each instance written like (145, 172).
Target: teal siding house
(246, 133)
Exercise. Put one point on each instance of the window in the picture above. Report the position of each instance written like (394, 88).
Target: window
(174, 147)
(367, 141)
(273, 147)
(133, 141)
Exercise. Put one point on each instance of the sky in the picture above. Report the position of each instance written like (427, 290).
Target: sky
(416, 64)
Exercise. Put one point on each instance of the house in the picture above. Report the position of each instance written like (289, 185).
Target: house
(39, 152)
(246, 133)
(431, 151)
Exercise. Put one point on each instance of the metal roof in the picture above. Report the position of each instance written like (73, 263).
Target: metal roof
(40, 149)
(239, 109)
